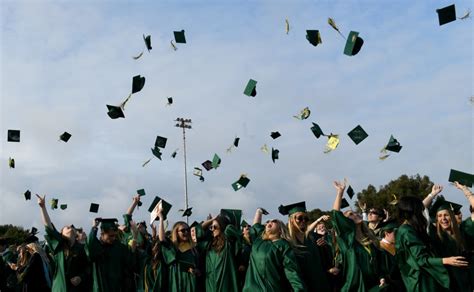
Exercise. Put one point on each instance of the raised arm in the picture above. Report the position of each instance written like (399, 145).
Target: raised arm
(135, 202)
(44, 212)
(313, 225)
(435, 190)
(340, 187)
(469, 195)
(257, 219)
(205, 225)
(161, 227)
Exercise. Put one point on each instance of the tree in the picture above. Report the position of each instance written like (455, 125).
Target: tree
(15, 234)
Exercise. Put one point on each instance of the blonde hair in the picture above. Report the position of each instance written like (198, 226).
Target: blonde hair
(456, 234)
(283, 232)
(294, 230)
(174, 234)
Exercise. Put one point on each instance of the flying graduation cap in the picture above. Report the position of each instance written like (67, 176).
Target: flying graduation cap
(13, 136)
(207, 165)
(157, 204)
(147, 40)
(235, 144)
(393, 145)
(287, 26)
(446, 14)
(27, 195)
(250, 89)
(63, 206)
(357, 134)
(317, 131)
(179, 37)
(275, 154)
(242, 182)
(115, 112)
(216, 161)
(94, 208)
(160, 142)
(54, 203)
(332, 143)
(198, 172)
(313, 37)
(353, 42)
(350, 192)
(275, 135)
(463, 178)
(65, 137)
(11, 162)
(304, 114)
(187, 212)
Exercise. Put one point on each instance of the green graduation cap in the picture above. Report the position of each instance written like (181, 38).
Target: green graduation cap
(179, 37)
(11, 162)
(446, 14)
(141, 192)
(393, 145)
(160, 142)
(65, 137)
(275, 154)
(194, 224)
(388, 225)
(115, 112)
(27, 195)
(357, 134)
(250, 89)
(166, 207)
(107, 224)
(313, 37)
(173, 155)
(207, 165)
(442, 204)
(188, 212)
(216, 161)
(137, 83)
(94, 208)
(292, 208)
(170, 100)
(350, 192)
(63, 206)
(147, 40)
(344, 203)
(157, 152)
(236, 141)
(275, 135)
(463, 178)
(242, 182)
(54, 203)
(13, 135)
(353, 44)
(317, 130)
(232, 216)
(244, 224)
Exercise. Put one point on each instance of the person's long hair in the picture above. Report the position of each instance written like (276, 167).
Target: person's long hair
(294, 230)
(454, 228)
(174, 235)
(155, 254)
(283, 232)
(218, 242)
(410, 210)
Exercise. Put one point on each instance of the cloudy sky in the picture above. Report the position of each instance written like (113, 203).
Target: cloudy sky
(63, 61)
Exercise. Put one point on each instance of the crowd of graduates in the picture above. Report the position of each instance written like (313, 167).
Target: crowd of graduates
(426, 246)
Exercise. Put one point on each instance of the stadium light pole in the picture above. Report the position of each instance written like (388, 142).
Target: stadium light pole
(184, 124)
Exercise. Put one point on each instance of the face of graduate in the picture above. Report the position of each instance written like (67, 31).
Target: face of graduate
(301, 220)
(271, 228)
(458, 217)
(183, 233)
(444, 219)
(373, 216)
(193, 235)
(321, 229)
(109, 236)
(353, 216)
(68, 232)
(246, 230)
(215, 228)
(390, 236)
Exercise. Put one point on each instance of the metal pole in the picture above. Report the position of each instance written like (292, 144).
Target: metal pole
(185, 176)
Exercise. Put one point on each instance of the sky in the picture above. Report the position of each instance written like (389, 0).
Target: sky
(63, 61)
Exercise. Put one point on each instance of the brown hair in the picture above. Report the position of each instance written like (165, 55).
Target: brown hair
(456, 234)
(218, 242)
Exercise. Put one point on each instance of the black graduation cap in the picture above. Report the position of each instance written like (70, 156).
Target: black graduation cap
(463, 178)
(388, 225)
(264, 211)
(292, 208)
(207, 165)
(160, 142)
(275, 135)
(446, 14)
(137, 83)
(317, 130)
(393, 145)
(94, 208)
(63, 206)
(313, 37)
(11, 162)
(65, 137)
(108, 224)
(170, 100)
(244, 224)
(344, 203)
(179, 37)
(13, 136)
(250, 89)
(350, 192)
(357, 134)
(157, 152)
(353, 44)
(236, 142)
(27, 195)
(275, 153)
(165, 206)
(54, 203)
(141, 192)
(242, 182)
(187, 212)
(232, 216)
(194, 224)
(173, 155)
(147, 40)
(115, 112)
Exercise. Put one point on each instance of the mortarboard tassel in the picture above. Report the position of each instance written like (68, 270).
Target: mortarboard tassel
(138, 56)
(173, 45)
(287, 26)
(122, 105)
(332, 23)
(466, 15)
(146, 162)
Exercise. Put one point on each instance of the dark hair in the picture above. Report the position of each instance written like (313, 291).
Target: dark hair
(218, 242)
(410, 209)
(470, 209)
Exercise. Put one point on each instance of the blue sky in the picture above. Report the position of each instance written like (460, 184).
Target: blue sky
(63, 61)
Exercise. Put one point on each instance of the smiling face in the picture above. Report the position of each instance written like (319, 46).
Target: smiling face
(183, 232)
(321, 228)
(272, 227)
(246, 230)
(373, 216)
(444, 219)
(68, 232)
(300, 219)
(215, 228)
(353, 216)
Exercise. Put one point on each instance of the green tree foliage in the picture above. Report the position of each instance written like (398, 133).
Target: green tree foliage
(14, 234)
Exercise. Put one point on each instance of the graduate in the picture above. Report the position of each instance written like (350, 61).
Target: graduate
(221, 248)
(420, 268)
(273, 265)
(362, 264)
(155, 277)
(112, 261)
(70, 264)
(243, 256)
(33, 268)
(388, 230)
(306, 251)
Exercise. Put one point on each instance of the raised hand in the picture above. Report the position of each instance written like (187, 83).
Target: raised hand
(436, 189)
(41, 200)
(340, 186)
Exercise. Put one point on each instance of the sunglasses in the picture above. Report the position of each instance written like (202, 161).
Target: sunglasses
(302, 219)
(272, 221)
(214, 227)
(184, 230)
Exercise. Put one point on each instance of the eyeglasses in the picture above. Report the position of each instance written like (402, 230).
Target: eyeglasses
(374, 212)
(184, 230)
(302, 218)
(272, 221)
(214, 227)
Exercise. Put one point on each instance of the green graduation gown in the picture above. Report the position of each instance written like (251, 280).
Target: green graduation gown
(420, 270)
(221, 270)
(112, 265)
(154, 280)
(362, 267)
(272, 265)
(68, 266)
(178, 264)
(467, 229)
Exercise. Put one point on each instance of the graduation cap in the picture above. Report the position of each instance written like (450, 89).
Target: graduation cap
(287, 26)
(446, 14)
(442, 204)
(157, 152)
(264, 148)
(179, 37)
(388, 225)
(264, 211)
(304, 114)
(242, 182)
(13, 135)
(107, 224)
(160, 142)
(463, 178)
(141, 192)
(393, 145)
(292, 208)
(137, 83)
(187, 212)
(275, 153)
(344, 203)
(170, 100)
(27, 195)
(11, 162)
(232, 216)
(165, 206)
(63, 206)
(236, 141)
(244, 224)
(65, 137)
(357, 134)
(94, 208)
(350, 192)
(216, 161)
(54, 203)
(275, 135)
(353, 44)
(115, 112)
(197, 171)
(250, 89)
(173, 155)
(194, 224)
(207, 165)
(333, 24)
(147, 40)
(317, 130)
(332, 143)
(313, 37)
